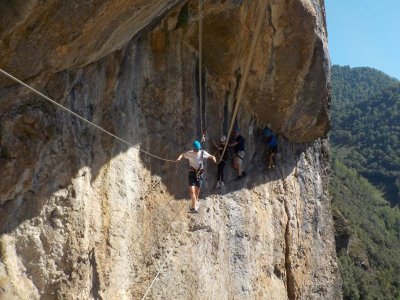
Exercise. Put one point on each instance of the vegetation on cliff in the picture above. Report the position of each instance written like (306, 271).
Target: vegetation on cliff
(367, 236)
(365, 141)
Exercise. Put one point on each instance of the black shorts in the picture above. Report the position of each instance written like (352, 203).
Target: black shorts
(273, 149)
(194, 180)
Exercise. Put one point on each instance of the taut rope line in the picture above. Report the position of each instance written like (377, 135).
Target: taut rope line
(201, 63)
(165, 261)
(262, 9)
(80, 117)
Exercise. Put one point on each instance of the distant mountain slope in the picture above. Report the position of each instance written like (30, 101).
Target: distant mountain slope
(366, 125)
(355, 84)
(367, 233)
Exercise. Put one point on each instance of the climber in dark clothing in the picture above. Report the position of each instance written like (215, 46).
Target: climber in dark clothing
(222, 163)
(272, 147)
(238, 145)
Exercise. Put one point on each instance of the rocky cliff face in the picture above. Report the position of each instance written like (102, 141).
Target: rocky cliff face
(84, 216)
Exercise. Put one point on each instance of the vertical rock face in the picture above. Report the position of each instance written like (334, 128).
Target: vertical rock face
(85, 216)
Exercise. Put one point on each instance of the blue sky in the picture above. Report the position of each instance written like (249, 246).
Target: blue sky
(365, 33)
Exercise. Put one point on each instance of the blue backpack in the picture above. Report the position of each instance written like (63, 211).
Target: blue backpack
(273, 142)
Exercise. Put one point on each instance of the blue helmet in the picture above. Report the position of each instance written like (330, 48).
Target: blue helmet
(197, 145)
(267, 132)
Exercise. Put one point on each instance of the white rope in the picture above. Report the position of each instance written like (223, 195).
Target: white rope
(262, 9)
(201, 63)
(147, 253)
(163, 264)
(80, 117)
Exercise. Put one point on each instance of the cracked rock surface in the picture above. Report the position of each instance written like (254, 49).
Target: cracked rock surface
(83, 216)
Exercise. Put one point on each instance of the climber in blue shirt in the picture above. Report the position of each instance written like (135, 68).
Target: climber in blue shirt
(272, 147)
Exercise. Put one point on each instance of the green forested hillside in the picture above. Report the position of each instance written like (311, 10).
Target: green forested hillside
(366, 125)
(365, 139)
(367, 233)
(355, 84)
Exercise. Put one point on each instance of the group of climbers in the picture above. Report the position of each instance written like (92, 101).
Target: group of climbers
(238, 145)
(197, 155)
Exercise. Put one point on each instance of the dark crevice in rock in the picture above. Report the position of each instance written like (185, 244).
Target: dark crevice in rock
(290, 285)
(290, 281)
(270, 67)
(94, 291)
(342, 229)
(201, 116)
(197, 227)
(183, 17)
(270, 18)
(156, 21)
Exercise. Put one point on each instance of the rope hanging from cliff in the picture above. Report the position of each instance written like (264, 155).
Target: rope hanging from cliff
(201, 64)
(261, 13)
(80, 117)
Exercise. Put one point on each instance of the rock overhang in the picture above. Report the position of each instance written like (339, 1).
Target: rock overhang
(289, 84)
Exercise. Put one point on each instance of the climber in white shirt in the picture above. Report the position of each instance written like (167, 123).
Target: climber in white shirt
(196, 172)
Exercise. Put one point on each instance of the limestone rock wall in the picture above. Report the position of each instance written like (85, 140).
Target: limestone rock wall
(85, 216)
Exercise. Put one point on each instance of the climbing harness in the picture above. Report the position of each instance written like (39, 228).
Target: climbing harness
(203, 137)
(200, 172)
(80, 117)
